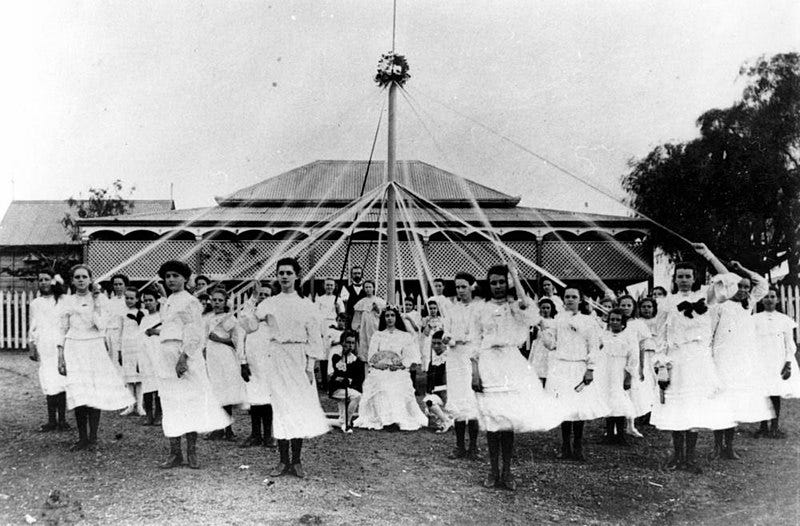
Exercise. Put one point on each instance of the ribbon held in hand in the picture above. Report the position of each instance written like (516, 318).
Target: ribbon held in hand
(688, 308)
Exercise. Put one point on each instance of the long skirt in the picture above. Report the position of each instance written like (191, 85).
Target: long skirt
(147, 370)
(257, 389)
(461, 401)
(388, 398)
(513, 398)
(777, 386)
(611, 377)
(51, 382)
(296, 409)
(92, 378)
(588, 403)
(225, 374)
(644, 393)
(188, 403)
(692, 400)
(742, 388)
(132, 349)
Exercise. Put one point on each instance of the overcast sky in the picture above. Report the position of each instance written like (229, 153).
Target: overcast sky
(216, 95)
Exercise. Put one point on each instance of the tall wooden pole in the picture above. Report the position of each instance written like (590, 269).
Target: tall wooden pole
(391, 222)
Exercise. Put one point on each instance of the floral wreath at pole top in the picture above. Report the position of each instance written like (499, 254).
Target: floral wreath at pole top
(392, 68)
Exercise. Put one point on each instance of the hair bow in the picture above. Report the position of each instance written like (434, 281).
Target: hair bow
(688, 308)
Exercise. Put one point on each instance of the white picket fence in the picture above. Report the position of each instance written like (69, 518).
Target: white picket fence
(15, 307)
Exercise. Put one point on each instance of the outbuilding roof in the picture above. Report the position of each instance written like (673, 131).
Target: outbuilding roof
(38, 222)
(339, 182)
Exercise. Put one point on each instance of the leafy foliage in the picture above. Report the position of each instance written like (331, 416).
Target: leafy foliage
(737, 186)
(100, 203)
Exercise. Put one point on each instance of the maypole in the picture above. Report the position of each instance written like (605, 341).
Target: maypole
(392, 73)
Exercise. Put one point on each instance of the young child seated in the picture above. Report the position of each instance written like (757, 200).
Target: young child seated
(436, 396)
(346, 379)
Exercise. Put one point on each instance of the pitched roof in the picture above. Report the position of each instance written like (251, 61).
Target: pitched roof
(339, 182)
(31, 223)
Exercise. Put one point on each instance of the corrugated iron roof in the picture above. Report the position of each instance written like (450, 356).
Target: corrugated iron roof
(341, 181)
(242, 216)
(35, 222)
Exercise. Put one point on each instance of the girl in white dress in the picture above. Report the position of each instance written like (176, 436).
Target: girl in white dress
(254, 363)
(509, 394)
(222, 363)
(433, 322)
(570, 377)
(620, 350)
(779, 372)
(545, 331)
(187, 399)
(461, 403)
(93, 382)
(151, 342)
(643, 383)
(44, 336)
(549, 291)
(388, 395)
(691, 398)
(647, 310)
(131, 349)
(737, 360)
(295, 345)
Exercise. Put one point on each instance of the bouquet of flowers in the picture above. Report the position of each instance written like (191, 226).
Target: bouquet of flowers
(392, 68)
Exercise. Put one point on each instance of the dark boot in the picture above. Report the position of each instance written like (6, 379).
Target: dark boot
(763, 430)
(51, 424)
(472, 431)
(566, 446)
(191, 450)
(157, 412)
(690, 464)
(493, 441)
(297, 467)
(507, 451)
(577, 441)
(255, 428)
(608, 438)
(678, 456)
(775, 431)
(619, 431)
(61, 411)
(729, 452)
(283, 466)
(149, 418)
(94, 424)
(266, 420)
(175, 458)
(719, 444)
(460, 451)
(82, 423)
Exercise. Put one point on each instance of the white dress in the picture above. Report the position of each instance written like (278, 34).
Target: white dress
(369, 321)
(692, 400)
(188, 403)
(150, 345)
(256, 350)
(736, 359)
(92, 379)
(115, 311)
(45, 333)
(540, 354)
(776, 346)
(620, 355)
(576, 349)
(643, 393)
(222, 362)
(388, 396)
(459, 324)
(513, 398)
(295, 343)
(433, 325)
(131, 346)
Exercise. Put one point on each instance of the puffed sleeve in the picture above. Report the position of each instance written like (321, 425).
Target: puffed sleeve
(315, 348)
(247, 318)
(760, 289)
(100, 314)
(411, 354)
(723, 287)
(592, 336)
(788, 340)
(192, 330)
(33, 329)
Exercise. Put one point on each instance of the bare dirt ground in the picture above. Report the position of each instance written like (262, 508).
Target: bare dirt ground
(375, 477)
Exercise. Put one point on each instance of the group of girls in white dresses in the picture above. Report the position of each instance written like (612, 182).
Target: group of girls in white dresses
(718, 364)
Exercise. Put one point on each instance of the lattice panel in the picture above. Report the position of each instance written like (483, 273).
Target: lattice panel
(447, 259)
(104, 256)
(527, 249)
(245, 259)
(609, 260)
